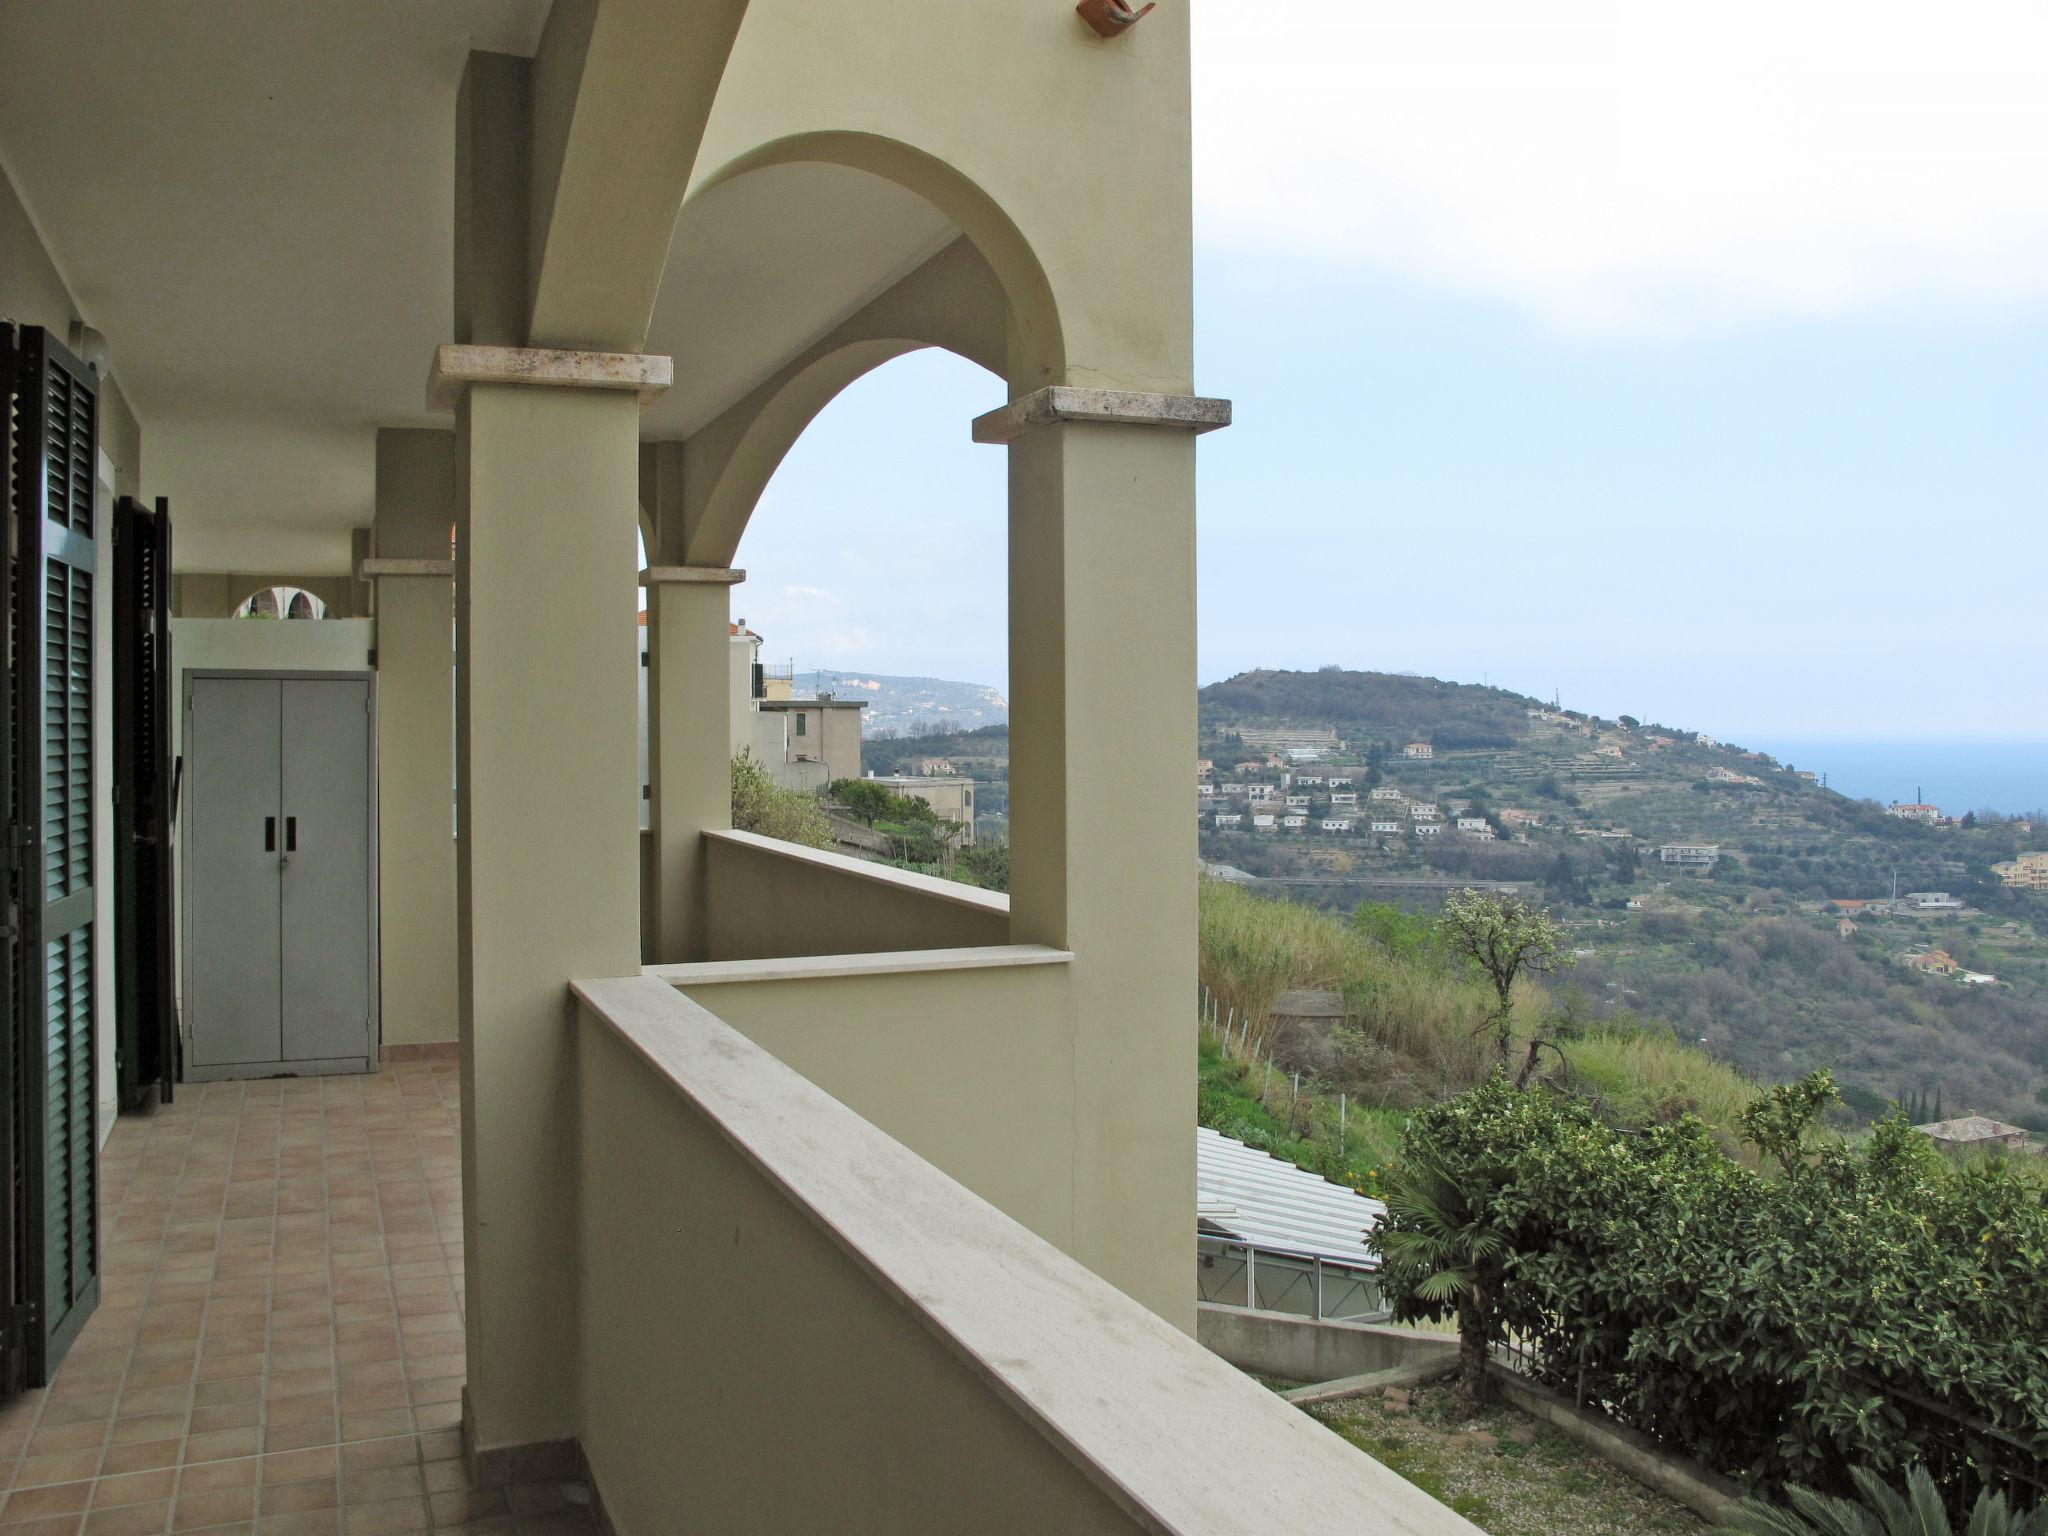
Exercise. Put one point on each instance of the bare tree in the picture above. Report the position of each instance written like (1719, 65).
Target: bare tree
(1504, 936)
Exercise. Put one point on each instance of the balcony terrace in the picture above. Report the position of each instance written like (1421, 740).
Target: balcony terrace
(278, 1347)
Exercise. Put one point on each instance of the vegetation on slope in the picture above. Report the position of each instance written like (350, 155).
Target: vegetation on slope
(1418, 1025)
(1745, 958)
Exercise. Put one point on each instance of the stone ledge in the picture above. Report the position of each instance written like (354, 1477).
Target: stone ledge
(665, 575)
(457, 367)
(371, 570)
(1115, 407)
(895, 962)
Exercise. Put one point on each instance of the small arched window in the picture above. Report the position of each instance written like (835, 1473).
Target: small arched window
(281, 603)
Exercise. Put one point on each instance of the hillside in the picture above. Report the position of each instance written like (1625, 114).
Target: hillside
(1753, 954)
(911, 706)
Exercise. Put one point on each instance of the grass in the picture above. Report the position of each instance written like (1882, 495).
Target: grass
(1414, 1033)
(1640, 1077)
(1530, 1481)
(1262, 1111)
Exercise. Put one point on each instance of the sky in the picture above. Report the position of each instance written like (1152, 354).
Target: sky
(1684, 362)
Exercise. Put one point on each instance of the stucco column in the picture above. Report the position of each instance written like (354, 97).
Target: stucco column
(689, 745)
(1102, 713)
(415, 608)
(548, 886)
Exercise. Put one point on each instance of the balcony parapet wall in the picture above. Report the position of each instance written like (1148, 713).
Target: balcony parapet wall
(793, 1322)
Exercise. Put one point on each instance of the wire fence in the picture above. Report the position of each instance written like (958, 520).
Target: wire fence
(1243, 1040)
(1965, 1454)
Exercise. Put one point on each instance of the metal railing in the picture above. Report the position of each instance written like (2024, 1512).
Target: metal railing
(1964, 1453)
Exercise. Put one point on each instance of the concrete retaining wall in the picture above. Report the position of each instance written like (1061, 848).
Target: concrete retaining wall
(1291, 1348)
(1707, 1494)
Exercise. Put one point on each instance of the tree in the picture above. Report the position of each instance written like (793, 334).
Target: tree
(762, 806)
(1504, 936)
(1441, 1251)
(1399, 932)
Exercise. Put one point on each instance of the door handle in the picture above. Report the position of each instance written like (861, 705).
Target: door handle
(291, 834)
(270, 834)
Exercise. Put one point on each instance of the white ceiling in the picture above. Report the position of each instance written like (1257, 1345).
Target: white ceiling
(254, 201)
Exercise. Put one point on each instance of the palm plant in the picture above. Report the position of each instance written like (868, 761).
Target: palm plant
(1440, 1247)
(1881, 1511)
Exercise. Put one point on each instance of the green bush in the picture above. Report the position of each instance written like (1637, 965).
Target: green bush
(1881, 1511)
(761, 805)
(1777, 1321)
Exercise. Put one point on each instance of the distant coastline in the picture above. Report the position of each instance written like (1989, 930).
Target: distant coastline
(2010, 777)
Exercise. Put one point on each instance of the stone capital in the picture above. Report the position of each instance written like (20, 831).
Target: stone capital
(373, 570)
(706, 575)
(456, 367)
(1116, 407)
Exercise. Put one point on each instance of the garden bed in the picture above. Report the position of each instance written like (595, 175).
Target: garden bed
(1501, 1469)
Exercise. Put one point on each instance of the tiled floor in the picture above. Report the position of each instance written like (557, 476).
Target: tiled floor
(278, 1347)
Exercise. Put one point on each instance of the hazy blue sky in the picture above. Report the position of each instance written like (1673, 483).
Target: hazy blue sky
(1701, 375)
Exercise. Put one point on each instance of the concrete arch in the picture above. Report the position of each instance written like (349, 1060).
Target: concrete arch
(1036, 346)
(954, 302)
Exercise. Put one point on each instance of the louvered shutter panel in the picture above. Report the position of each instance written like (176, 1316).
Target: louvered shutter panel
(146, 1021)
(56, 430)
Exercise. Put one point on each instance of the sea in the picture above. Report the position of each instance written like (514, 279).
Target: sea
(2010, 777)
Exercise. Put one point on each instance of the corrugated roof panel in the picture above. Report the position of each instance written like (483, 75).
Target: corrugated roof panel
(1260, 1199)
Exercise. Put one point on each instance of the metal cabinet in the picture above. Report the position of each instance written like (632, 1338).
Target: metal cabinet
(278, 843)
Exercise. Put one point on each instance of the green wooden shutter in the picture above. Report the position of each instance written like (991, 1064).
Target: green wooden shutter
(145, 1019)
(56, 429)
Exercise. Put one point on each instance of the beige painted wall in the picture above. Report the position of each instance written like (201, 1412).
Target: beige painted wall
(1045, 209)
(689, 695)
(217, 594)
(548, 860)
(416, 739)
(761, 1381)
(1101, 863)
(972, 1070)
(770, 899)
(33, 292)
(416, 808)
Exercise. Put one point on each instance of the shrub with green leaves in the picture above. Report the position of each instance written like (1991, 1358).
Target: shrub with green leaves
(1777, 1321)
(761, 805)
(1881, 1511)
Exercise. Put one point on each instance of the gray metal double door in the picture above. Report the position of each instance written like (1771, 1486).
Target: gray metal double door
(279, 829)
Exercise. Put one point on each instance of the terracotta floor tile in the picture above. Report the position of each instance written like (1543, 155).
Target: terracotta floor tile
(297, 1498)
(128, 1519)
(197, 1512)
(135, 1488)
(40, 1503)
(317, 1522)
(140, 1458)
(219, 1476)
(386, 1517)
(220, 1445)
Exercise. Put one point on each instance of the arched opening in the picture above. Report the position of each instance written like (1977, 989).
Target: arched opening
(280, 602)
(877, 606)
(886, 302)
